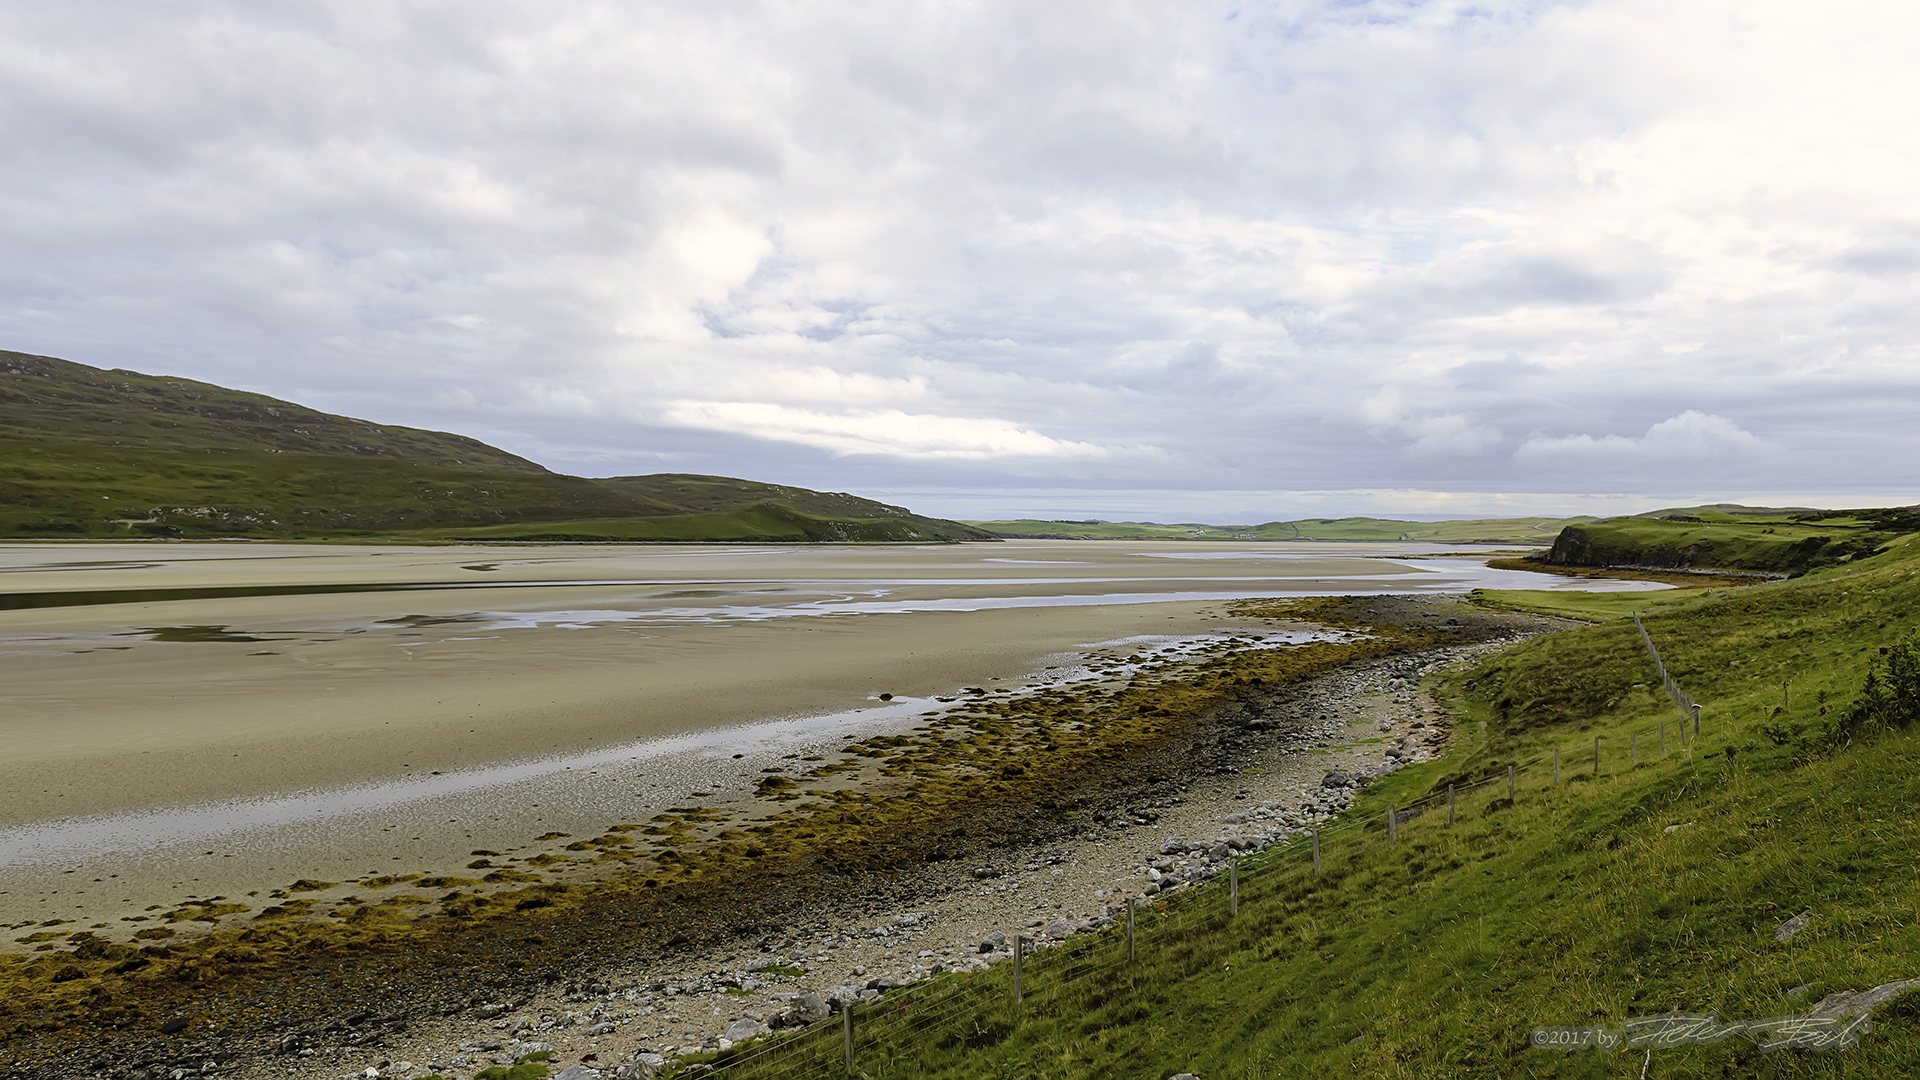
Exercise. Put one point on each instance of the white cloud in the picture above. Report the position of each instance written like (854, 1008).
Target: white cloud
(888, 431)
(1392, 416)
(1692, 436)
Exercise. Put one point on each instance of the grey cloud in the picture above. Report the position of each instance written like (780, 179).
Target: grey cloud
(1891, 250)
(1193, 239)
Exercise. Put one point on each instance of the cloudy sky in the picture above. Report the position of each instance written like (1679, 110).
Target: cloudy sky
(1214, 261)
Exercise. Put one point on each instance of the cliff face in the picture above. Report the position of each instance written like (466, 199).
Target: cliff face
(1770, 547)
(1579, 546)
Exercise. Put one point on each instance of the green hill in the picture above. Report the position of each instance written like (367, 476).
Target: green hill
(95, 453)
(1531, 530)
(1712, 538)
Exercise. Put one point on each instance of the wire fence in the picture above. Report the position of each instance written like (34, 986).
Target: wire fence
(1681, 699)
(964, 1009)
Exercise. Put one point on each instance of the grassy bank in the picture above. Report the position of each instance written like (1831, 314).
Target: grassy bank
(1622, 891)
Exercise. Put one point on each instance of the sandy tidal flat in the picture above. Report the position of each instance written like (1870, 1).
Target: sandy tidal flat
(201, 719)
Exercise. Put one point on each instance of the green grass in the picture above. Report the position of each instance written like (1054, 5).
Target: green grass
(1585, 606)
(1533, 530)
(1573, 904)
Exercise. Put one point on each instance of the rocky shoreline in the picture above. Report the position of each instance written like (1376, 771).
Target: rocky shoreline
(1263, 769)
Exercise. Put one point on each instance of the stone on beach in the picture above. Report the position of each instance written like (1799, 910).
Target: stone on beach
(743, 1029)
(810, 1007)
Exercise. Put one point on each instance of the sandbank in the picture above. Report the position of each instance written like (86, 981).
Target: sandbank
(226, 706)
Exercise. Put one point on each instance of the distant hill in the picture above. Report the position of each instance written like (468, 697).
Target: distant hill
(1533, 530)
(86, 452)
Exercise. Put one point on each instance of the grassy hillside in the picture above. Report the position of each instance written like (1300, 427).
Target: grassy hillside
(1619, 890)
(1533, 530)
(1786, 543)
(92, 453)
(42, 398)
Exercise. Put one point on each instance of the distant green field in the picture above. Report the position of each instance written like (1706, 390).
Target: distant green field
(1534, 530)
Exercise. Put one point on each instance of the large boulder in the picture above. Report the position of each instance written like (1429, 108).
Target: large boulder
(743, 1029)
(810, 1007)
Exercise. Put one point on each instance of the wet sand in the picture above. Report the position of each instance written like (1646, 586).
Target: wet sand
(229, 744)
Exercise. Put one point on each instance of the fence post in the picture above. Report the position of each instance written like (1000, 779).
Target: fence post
(1695, 710)
(1018, 948)
(1129, 929)
(1663, 738)
(1633, 749)
(1233, 887)
(846, 1028)
(1556, 766)
(1449, 804)
(1683, 734)
(1316, 851)
(1596, 755)
(1393, 832)
(1509, 783)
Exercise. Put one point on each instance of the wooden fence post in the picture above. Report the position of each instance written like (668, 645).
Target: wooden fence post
(1663, 738)
(1316, 851)
(1509, 783)
(1596, 755)
(1695, 710)
(1449, 804)
(1233, 887)
(1393, 829)
(1130, 952)
(1556, 766)
(846, 1028)
(1018, 948)
(1633, 749)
